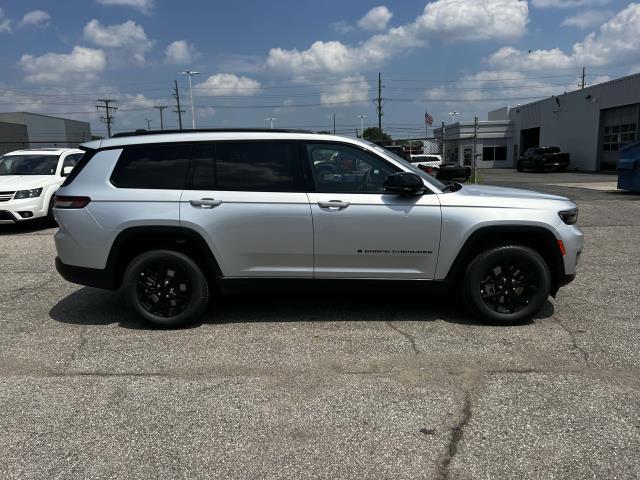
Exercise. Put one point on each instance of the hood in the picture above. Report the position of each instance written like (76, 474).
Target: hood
(504, 192)
(487, 196)
(12, 183)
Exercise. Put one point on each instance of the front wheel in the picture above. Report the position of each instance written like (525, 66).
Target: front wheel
(166, 288)
(507, 284)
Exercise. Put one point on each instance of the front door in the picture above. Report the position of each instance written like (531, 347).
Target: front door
(361, 232)
(248, 200)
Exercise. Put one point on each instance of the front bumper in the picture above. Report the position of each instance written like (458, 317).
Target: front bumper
(15, 211)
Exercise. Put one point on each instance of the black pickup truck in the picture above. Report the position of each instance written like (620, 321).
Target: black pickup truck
(543, 158)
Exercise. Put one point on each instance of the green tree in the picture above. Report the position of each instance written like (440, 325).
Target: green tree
(374, 134)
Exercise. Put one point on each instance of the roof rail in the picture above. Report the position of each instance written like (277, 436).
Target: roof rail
(210, 130)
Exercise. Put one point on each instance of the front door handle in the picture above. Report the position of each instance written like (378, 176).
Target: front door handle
(205, 203)
(334, 204)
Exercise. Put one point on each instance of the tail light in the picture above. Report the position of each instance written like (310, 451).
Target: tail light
(70, 202)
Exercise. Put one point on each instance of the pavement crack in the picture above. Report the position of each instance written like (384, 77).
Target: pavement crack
(457, 433)
(406, 335)
(574, 341)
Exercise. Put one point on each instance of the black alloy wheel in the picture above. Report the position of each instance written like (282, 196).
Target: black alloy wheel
(507, 284)
(163, 289)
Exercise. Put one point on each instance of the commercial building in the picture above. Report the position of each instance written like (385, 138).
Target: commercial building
(30, 130)
(591, 124)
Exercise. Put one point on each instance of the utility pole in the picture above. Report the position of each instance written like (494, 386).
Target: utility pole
(444, 159)
(160, 108)
(334, 123)
(583, 77)
(108, 118)
(178, 110)
(475, 148)
(148, 124)
(190, 74)
(379, 102)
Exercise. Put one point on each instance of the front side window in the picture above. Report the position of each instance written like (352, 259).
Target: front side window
(28, 164)
(152, 167)
(345, 169)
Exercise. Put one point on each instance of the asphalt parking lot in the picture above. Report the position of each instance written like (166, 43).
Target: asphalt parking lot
(325, 386)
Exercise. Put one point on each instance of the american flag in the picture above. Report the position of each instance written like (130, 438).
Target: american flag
(428, 119)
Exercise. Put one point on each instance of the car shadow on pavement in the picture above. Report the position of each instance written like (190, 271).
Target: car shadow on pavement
(31, 226)
(88, 306)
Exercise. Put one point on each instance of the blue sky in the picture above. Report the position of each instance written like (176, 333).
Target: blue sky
(302, 61)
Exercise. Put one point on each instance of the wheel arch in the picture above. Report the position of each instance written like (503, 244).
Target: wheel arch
(135, 240)
(538, 238)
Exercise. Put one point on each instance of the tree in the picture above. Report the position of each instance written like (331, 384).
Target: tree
(374, 134)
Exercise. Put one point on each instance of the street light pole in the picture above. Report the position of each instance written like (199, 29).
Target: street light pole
(453, 116)
(361, 117)
(193, 114)
(271, 120)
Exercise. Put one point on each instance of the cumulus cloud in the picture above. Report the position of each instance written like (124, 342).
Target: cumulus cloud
(180, 52)
(586, 19)
(5, 23)
(567, 3)
(129, 37)
(81, 65)
(342, 27)
(345, 90)
(36, 18)
(449, 20)
(227, 84)
(611, 45)
(376, 19)
(144, 6)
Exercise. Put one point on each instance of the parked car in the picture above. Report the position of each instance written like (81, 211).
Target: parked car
(175, 218)
(29, 179)
(543, 158)
(430, 163)
(453, 171)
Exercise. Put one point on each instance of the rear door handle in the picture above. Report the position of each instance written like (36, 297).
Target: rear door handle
(334, 204)
(205, 203)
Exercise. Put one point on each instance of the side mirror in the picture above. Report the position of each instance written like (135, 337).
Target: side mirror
(404, 183)
(66, 171)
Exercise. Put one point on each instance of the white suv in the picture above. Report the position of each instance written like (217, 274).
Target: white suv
(28, 180)
(174, 218)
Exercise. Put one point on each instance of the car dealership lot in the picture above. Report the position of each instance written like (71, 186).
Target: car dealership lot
(326, 386)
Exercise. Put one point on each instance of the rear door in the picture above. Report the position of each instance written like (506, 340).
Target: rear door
(247, 199)
(361, 232)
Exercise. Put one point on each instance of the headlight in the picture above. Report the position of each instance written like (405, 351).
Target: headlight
(27, 193)
(569, 217)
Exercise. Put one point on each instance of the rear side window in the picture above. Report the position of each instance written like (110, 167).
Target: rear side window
(152, 167)
(250, 167)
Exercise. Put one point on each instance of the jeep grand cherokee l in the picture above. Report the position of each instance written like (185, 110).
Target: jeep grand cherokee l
(173, 219)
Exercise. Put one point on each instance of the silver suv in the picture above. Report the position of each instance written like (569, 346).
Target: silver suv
(175, 218)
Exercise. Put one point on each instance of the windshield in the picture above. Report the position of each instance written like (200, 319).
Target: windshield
(432, 181)
(28, 164)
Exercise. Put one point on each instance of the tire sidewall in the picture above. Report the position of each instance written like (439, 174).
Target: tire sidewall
(477, 269)
(200, 288)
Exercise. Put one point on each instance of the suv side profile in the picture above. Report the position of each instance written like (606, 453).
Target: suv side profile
(30, 178)
(172, 219)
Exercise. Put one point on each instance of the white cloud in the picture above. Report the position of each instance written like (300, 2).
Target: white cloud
(129, 37)
(226, 84)
(5, 23)
(376, 19)
(586, 19)
(81, 65)
(347, 89)
(567, 3)
(611, 45)
(180, 52)
(36, 18)
(342, 27)
(451, 20)
(144, 6)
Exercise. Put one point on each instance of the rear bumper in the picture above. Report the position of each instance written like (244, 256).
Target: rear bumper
(90, 277)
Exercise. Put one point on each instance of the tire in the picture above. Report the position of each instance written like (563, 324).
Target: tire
(485, 288)
(519, 166)
(562, 168)
(158, 273)
(50, 219)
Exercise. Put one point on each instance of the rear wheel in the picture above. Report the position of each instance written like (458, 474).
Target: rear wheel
(166, 288)
(507, 284)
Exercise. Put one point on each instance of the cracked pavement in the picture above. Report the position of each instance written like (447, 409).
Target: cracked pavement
(327, 386)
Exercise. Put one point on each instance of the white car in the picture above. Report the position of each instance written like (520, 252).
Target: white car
(428, 162)
(28, 180)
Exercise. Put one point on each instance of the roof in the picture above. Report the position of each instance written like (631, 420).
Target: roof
(43, 151)
(211, 135)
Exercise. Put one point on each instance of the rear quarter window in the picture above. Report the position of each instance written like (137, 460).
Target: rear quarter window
(152, 167)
